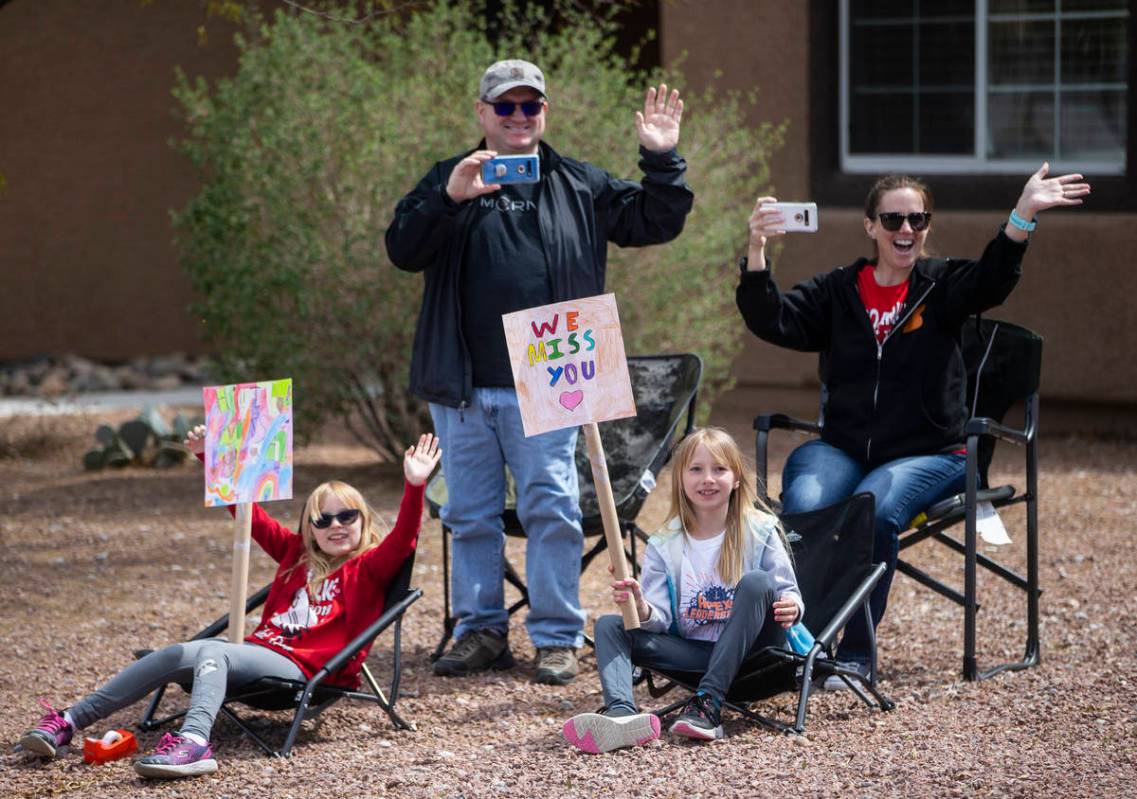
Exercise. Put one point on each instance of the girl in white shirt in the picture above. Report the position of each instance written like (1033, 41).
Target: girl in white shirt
(717, 583)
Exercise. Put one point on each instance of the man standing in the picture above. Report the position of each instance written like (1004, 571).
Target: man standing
(485, 250)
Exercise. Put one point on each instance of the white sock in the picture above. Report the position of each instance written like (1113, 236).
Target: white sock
(67, 717)
(197, 739)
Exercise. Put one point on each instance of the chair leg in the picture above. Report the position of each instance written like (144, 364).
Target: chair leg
(970, 670)
(447, 619)
(260, 742)
(148, 723)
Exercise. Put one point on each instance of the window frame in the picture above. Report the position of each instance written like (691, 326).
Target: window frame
(960, 181)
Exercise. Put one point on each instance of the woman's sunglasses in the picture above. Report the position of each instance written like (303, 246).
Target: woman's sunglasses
(344, 517)
(918, 220)
(530, 108)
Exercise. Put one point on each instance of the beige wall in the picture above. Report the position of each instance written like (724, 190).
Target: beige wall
(86, 262)
(1080, 273)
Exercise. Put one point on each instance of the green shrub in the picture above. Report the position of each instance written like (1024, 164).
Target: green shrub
(303, 154)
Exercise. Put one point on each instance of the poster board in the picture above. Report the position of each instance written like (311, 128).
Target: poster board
(248, 442)
(248, 458)
(568, 363)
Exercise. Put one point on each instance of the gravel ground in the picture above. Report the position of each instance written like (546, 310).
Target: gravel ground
(95, 565)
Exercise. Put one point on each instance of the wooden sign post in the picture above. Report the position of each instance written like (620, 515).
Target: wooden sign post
(248, 458)
(570, 370)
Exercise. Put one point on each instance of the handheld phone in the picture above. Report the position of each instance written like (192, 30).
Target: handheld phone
(511, 169)
(800, 217)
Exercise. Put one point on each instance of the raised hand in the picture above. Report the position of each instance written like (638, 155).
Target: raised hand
(658, 124)
(1042, 192)
(195, 440)
(765, 223)
(420, 459)
(465, 181)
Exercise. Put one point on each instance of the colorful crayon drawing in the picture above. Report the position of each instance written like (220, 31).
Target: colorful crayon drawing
(568, 364)
(248, 442)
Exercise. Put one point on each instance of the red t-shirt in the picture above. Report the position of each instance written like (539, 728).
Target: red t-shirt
(883, 303)
(310, 630)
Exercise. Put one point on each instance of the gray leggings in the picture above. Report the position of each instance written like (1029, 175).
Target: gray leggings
(751, 626)
(213, 664)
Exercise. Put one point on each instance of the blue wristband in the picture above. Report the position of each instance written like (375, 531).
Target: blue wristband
(1021, 223)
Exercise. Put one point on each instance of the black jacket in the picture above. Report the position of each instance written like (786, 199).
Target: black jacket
(906, 396)
(580, 208)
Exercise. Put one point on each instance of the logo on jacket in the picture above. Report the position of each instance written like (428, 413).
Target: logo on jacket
(916, 321)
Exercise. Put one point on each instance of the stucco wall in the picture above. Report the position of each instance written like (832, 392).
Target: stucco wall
(86, 262)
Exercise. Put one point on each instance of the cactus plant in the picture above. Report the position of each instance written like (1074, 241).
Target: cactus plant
(148, 440)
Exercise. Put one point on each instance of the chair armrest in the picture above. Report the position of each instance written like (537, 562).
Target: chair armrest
(779, 421)
(983, 426)
(851, 606)
(379, 625)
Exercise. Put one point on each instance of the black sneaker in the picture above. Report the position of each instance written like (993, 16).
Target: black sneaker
(556, 665)
(699, 720)
(474, 652)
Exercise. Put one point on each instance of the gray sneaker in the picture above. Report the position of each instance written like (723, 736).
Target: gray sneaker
(835, 683)
(556, 665)
(473, 652)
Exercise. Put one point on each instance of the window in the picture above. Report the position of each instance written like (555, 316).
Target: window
(984, 86)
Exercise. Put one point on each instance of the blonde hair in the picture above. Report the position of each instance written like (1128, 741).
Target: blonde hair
(319, 564)
(744, 502)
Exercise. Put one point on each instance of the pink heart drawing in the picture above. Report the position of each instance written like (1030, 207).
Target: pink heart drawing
(570, 399)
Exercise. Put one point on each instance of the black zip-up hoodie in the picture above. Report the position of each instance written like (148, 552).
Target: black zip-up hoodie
(580, 208)
(903, 397)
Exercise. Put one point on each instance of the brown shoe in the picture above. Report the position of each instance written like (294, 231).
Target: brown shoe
(556, 665)
(474, 652)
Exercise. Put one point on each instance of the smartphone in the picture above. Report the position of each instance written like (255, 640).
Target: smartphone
(800, 217)
(511, 169)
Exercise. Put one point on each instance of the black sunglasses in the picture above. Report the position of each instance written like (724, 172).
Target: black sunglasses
(892, 222)
(344, 517)
(530, 108)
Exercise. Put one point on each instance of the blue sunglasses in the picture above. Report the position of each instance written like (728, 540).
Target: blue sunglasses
(530, 108)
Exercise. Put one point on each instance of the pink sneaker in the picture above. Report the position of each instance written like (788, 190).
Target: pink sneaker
(177, 756)
(50, 735)
(595, 733)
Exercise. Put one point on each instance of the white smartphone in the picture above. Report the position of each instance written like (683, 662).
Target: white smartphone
(800, 217)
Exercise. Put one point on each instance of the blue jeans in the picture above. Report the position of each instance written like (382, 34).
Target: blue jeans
(477, 443)
(817, 474)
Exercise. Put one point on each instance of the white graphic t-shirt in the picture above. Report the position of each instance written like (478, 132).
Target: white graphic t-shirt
(705, 601)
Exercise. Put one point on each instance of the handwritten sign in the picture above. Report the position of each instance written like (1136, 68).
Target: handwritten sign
(248, 442)
(568, 363)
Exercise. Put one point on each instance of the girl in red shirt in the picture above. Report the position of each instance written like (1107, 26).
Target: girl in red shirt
(329, 585)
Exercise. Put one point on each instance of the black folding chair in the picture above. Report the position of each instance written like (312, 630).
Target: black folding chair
(832, 553)
(665, 388)
(309, 698)
(1004, 366)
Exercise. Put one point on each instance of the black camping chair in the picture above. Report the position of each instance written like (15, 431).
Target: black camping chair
(832, 553)
(1004, 366)
(307, 699)
(665, 388)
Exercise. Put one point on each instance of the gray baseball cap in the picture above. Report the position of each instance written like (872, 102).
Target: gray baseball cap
(506, 75)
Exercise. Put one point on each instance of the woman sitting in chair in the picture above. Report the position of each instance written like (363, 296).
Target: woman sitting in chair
(888, 330)
(329, 585)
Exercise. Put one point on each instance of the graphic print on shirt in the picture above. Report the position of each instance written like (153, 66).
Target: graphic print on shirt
(706, 606)
(305, 613)
(883, 304)
(299, 616)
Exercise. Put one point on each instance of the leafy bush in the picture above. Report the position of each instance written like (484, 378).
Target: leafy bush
(303, 154)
